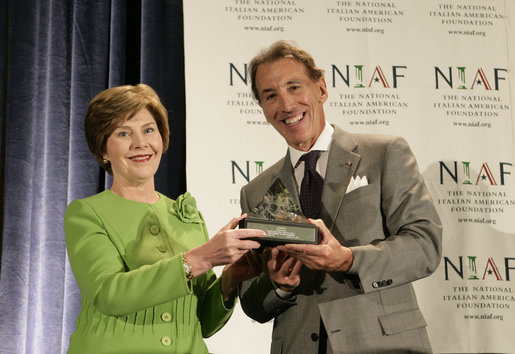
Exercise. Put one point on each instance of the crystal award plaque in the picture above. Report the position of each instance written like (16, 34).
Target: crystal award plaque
(282, 220)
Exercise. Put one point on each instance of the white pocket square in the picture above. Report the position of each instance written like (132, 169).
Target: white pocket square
(356, 182)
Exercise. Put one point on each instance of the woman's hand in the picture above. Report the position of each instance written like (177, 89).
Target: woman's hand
(226, 247)
(246, 267)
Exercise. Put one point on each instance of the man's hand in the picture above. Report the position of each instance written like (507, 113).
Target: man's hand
(329, 255)
(283, 269)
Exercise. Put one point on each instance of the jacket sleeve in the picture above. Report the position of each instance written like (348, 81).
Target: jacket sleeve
(412, 246)
(213, 312)
(102, 275)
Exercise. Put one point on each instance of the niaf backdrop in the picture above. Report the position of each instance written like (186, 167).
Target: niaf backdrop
(438, 73)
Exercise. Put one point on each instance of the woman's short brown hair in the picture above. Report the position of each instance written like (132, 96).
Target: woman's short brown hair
(113, 106)
(283, 49)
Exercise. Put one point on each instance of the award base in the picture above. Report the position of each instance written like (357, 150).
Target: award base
(281, 232)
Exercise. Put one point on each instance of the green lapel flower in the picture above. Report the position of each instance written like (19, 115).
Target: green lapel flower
(185, 207)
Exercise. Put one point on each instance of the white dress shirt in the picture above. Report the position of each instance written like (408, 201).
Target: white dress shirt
(323, 143)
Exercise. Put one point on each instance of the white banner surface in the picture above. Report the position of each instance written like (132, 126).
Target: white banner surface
(438, 73)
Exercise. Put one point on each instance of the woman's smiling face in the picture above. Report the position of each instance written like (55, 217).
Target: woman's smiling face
(134, 149)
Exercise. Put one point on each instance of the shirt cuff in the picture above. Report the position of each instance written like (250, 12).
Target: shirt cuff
(283, 295)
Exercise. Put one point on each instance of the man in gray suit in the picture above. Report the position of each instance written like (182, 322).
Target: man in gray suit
(379, 230)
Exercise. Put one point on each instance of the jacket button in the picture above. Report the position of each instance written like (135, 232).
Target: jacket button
(314, 337)
(166, 341)
(154, 229)
(166, 317)
(161, 248)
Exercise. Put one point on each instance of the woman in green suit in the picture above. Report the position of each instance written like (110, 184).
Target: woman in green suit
(143, 262)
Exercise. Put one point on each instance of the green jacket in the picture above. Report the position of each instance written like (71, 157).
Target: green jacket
(126, 258)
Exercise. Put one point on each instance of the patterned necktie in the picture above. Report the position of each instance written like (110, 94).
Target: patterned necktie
(311, 186)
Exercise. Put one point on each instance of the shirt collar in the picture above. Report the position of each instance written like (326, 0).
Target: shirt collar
(323, 142)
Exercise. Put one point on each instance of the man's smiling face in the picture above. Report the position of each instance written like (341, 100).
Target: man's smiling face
(291, 101)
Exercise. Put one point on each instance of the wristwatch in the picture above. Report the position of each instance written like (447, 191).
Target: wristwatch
(187, 268)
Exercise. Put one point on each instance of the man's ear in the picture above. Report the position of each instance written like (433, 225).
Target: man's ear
(323, 90)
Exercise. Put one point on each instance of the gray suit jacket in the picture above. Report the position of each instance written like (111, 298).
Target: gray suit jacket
(393, 229)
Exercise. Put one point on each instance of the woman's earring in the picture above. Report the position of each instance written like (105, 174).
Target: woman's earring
(105, 162)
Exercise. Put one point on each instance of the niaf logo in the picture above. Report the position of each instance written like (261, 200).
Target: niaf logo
(480, 78)
(478, 266)
(465, 176)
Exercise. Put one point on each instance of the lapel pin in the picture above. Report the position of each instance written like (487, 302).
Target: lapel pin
(348, 163)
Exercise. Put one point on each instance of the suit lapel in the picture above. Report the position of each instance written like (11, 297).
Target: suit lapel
(341, 165)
